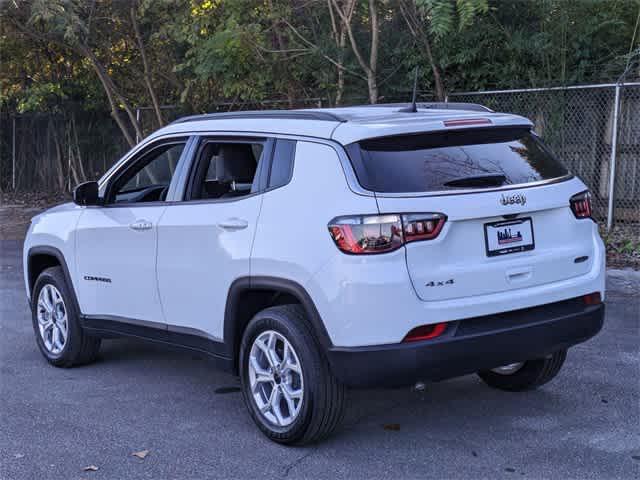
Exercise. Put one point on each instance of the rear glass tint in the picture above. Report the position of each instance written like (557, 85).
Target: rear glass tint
(428, 162)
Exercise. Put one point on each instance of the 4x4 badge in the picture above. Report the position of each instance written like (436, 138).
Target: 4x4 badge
(440, 283)
(516, 198)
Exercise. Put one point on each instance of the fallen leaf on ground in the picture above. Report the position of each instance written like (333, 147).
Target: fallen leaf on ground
(141, 454)
(392, 426)
(90, 468)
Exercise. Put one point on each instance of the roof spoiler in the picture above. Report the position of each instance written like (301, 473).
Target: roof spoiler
(471, 107)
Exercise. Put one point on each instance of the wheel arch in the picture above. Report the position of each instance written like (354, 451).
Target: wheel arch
(248, 295)
(40, 258)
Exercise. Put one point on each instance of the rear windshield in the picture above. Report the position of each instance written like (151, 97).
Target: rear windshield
(453, 160)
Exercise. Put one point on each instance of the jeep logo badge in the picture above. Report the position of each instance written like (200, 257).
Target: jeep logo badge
(516, 198)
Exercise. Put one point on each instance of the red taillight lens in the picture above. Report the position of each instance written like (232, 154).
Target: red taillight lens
(425, 332)
(367, 234)
(581, 205)
(592, 299)
(424, 226)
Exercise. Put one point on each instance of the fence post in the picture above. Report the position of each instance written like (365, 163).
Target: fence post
(13, 156)
(137, 120)
(612, 166)
(69, 167)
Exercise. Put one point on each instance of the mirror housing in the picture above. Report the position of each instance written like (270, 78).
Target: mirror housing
(86, 194)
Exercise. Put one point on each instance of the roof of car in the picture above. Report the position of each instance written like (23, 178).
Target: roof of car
(347, 124)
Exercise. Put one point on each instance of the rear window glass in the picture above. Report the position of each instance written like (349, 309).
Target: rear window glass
(453, 160)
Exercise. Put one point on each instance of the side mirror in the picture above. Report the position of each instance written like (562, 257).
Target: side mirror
(86, 194)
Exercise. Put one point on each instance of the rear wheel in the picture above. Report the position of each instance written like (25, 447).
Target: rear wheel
(287, 385)
(517, 377)
(56, 324)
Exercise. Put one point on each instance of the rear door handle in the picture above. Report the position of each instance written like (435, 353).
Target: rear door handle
(233, 224)
(141, 225)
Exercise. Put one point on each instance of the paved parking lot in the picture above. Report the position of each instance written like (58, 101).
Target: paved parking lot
(138, 396)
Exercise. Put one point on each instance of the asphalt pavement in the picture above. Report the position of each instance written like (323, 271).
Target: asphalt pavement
(191, 418)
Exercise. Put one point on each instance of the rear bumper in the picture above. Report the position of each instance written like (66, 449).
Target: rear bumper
(470, 345)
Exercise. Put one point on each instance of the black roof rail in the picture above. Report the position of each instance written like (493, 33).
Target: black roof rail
(275, 114)
(472, 107)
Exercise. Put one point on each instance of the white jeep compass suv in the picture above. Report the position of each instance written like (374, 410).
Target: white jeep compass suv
(312, 250)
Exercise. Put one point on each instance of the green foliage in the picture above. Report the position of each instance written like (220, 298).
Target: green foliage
(41, 97)
(443, 15)
(204, 53)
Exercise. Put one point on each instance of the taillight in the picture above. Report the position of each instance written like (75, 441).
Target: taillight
(367, 234)
(422, 226)
(581, 205)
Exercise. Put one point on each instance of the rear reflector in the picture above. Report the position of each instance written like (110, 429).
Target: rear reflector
(425, 332)
(467, 121)
(592, 299)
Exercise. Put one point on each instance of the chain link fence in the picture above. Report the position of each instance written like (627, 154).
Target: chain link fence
(53, 152)
(579, 124)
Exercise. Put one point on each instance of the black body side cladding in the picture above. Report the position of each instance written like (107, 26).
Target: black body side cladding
(57, 254)
(109, 327)
(233, 327)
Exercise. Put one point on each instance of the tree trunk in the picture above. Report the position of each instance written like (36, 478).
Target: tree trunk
(145, 64)
(370, 67)
(415, 24)
(373, 56)
(340, 37)
(373, 87)
(113, 94)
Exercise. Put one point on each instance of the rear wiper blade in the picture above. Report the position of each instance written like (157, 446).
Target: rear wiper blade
(482, 180)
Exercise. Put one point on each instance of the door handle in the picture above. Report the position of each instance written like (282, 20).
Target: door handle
(232, 224)
(140, 225)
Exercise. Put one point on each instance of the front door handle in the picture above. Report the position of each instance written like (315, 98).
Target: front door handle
(233, 224)
(141, 225)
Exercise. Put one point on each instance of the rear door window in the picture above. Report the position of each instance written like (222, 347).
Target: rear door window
(453, 160)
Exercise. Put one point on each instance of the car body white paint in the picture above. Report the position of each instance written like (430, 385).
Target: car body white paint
(178, 272)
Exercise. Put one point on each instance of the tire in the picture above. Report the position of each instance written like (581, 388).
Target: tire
(321, 408)
(78, 348)
(532, 374)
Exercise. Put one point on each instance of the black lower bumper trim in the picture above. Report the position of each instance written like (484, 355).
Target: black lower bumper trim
(442, 358)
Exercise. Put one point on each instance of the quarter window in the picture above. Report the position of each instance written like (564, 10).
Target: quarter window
(282, 164)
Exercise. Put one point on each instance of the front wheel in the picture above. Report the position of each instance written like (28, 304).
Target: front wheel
(287, 385)
(56, 323)
(517, 377)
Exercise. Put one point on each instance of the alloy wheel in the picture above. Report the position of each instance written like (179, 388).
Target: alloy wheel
(53, 323)
(275, 378)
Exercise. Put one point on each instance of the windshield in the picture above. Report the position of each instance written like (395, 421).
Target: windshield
(453, 160)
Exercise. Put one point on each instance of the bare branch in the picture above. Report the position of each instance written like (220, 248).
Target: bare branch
(316, 48)
(145, 64)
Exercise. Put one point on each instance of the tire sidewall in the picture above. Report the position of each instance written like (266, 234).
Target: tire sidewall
(54, 276)
(271, 319)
